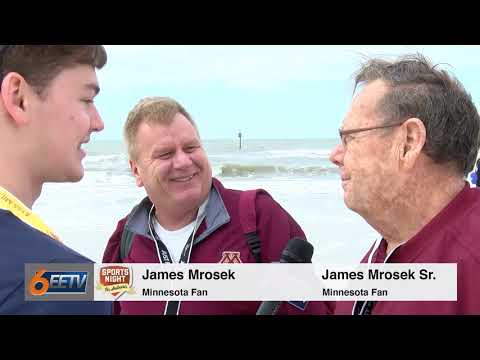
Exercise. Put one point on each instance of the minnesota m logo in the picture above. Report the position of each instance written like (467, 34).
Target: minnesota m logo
(230, 257)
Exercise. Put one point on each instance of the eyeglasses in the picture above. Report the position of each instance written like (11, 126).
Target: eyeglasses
(344, 133)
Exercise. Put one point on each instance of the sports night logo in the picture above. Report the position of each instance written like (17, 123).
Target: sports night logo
(116, 280)
(58, 282)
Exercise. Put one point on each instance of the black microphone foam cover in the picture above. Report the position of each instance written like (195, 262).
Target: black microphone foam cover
(298, 250)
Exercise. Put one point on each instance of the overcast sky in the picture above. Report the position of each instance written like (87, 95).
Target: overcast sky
(274, 92)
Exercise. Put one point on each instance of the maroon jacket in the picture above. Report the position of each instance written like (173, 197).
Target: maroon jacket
(220, 231)
(453, 236)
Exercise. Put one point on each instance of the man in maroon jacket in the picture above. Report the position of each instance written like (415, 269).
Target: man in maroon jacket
(189, 217)
(407, 143)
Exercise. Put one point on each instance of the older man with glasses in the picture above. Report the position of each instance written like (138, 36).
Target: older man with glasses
(408, 141)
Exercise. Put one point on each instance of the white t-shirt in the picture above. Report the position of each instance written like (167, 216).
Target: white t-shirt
(175, 240)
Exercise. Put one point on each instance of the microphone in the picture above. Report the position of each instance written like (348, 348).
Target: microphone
(298, 250)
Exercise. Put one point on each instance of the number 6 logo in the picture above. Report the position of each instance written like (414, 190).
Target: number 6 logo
(38, 279)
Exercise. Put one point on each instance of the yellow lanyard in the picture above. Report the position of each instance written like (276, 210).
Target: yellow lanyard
(16, 207)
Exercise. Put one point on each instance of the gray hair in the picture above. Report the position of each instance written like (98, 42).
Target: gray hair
(419, 90)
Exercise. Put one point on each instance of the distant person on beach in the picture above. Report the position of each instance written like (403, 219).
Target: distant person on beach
(46, 115)
(475, 175)
(188, 216)
(477, 182)
(407, 143)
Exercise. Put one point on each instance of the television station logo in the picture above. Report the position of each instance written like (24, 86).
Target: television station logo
(45, 282)
(59, 282)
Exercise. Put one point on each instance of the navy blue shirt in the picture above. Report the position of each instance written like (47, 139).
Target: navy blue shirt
(21, 244)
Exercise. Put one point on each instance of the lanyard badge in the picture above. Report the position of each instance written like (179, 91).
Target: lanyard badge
(171, 307)
(10, 203)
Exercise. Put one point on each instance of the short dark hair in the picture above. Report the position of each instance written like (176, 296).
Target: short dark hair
(40, 64)
(418, 89)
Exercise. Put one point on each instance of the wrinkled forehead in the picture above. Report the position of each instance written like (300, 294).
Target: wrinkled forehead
(178, 129)
(364, 111)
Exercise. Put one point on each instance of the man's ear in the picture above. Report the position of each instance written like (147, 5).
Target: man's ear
(135, 172)
(414, 141)
(14, 95)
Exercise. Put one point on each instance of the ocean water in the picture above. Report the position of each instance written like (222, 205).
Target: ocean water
(297, 173)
